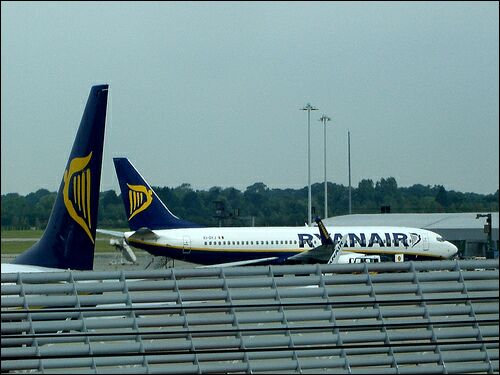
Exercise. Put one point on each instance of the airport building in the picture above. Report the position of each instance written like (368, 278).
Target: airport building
(465, 230)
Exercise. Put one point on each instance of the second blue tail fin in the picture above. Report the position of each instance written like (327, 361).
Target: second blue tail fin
(142, 206)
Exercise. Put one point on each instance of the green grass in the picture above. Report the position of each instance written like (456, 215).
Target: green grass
(22, 233)
(17, 247)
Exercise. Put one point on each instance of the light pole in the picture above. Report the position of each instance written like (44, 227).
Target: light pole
(349, 165)
(309, 108)
(325, 118)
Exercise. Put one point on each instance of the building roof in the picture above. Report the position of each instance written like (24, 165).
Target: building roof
(454, 226)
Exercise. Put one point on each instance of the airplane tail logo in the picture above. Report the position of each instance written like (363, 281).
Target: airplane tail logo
(77, 179)
(139, 198)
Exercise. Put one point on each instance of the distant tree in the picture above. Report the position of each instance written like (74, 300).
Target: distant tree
(365, 191)
(269, 207)
(109, 197)
(442, 196)
(257, 188)
(387, 186)
(34, 198)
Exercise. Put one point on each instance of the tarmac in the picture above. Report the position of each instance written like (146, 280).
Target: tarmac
(111, 261)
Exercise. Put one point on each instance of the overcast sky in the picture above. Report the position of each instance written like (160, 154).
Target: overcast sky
(209, 93)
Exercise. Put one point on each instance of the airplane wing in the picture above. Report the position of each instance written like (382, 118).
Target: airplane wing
(240, 263)
(327, 252)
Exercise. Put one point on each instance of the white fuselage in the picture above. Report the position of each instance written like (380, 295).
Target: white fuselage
(10, 268)
(217, 245)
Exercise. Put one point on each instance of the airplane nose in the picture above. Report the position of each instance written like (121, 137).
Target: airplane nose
(452, 249)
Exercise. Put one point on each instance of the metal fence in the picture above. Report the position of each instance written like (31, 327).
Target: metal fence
(411, 317)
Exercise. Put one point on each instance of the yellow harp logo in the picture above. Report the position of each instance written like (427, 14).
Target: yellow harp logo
(77, 179)
(139, 198)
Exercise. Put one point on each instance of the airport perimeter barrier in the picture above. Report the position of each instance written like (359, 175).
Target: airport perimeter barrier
(410, 317)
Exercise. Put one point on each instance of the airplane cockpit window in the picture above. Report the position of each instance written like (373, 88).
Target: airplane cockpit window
(440, 239)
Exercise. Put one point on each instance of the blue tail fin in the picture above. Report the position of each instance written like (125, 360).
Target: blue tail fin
(142, 206)
(69, 239)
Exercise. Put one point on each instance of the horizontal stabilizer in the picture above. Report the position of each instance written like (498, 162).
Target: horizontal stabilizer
(144, 234)
(110, 232)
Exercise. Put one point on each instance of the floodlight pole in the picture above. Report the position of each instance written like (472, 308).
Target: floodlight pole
(309, 108)
(324, 119)
(349, 165)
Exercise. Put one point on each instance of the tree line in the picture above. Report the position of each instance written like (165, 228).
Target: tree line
(259, 204)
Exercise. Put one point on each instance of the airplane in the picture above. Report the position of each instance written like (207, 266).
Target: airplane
(68, 241)
(157, 230)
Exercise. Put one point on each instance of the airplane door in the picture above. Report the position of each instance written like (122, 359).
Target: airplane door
(425, 243)
(186, 245)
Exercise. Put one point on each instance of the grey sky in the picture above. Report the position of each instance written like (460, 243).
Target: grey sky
(209, 93)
